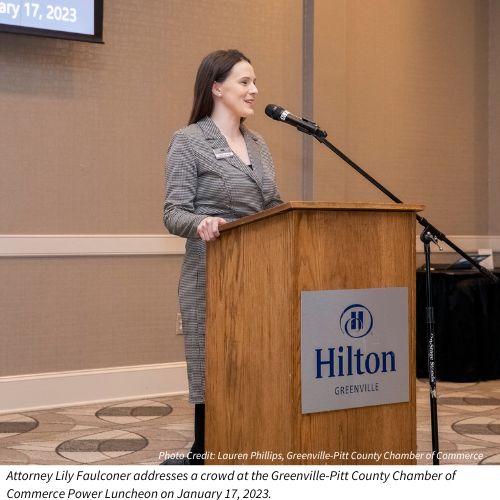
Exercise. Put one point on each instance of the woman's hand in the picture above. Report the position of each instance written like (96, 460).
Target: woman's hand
(208, 228)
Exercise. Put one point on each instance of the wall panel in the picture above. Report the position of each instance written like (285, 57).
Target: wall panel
(494, 118)
(84, 132)
(402, 89)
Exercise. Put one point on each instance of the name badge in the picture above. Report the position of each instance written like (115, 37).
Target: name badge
(221, 153)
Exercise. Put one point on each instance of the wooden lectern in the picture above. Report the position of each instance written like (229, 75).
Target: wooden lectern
(256, 271)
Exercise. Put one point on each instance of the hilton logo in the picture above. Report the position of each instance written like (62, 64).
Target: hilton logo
(356, 321)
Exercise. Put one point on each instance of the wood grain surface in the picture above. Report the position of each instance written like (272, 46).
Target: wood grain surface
(255, 274)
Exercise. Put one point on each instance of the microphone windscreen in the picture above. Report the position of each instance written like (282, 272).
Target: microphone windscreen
(274, 111)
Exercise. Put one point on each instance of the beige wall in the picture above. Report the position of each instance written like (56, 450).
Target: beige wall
(494, 118)
(400, 85)
(63, 314)
(85, 127)
(83, 135)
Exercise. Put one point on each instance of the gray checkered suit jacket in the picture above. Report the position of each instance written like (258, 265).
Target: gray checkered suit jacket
(200, 185)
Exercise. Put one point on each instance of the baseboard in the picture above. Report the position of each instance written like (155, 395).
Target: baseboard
(52, 390)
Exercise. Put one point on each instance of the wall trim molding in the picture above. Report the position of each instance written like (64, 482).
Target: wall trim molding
(468, 243)
(57, 245)
(43, 391)
(48, 245)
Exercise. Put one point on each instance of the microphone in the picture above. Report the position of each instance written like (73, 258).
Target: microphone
(302, 124)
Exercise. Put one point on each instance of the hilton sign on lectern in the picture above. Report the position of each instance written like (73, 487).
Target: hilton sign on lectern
(354, 348)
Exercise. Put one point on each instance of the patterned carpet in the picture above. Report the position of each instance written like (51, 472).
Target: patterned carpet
(135, 432)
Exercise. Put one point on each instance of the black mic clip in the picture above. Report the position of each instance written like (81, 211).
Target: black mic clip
(313, 130)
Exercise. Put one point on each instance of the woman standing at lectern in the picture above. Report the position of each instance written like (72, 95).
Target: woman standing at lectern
(217, 170)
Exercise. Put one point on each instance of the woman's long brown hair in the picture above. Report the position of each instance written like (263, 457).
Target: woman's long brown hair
(215, 67)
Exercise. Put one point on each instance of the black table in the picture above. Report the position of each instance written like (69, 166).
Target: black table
(467, 314)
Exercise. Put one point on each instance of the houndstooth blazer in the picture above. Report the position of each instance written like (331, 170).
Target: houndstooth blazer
(200, 184)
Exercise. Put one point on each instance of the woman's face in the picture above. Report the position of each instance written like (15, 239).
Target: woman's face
(237, 92)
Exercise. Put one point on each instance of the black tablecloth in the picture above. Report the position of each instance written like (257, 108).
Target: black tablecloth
(467, 314)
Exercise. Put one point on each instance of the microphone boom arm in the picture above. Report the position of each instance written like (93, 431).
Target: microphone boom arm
(433, 233)
(429, 234)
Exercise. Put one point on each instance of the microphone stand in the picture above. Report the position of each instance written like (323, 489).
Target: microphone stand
(429, 234)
